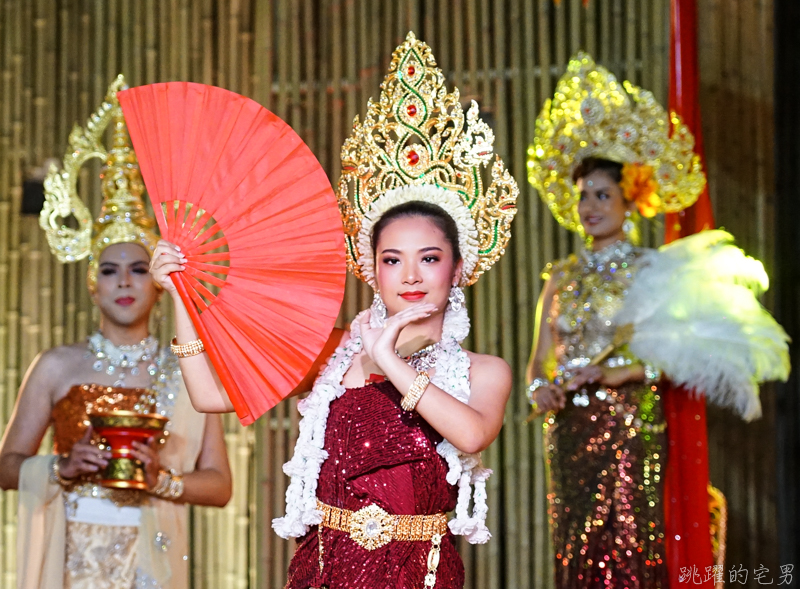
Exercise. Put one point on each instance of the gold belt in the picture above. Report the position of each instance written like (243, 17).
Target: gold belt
(371, 527)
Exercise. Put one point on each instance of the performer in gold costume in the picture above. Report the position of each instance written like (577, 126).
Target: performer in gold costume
(601, 158)
(615, 315)
(73, 532)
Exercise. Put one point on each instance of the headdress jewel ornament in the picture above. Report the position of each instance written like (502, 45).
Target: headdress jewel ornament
(593, 115)
(123, 217)
(416, 144)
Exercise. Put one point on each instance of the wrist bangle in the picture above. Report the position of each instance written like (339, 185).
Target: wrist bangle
(161, 483)
(535, 385)
(168, 486)
(188, 349)
(55, 473)
(414, 394)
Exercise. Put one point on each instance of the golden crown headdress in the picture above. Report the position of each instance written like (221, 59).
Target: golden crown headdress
(123, 217)
(416, 144)
(592, 115)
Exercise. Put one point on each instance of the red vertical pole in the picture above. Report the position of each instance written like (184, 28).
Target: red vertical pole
(689, 553)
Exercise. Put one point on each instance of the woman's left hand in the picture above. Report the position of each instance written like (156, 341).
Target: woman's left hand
(608, 377)
(380, 343)
(147, 454)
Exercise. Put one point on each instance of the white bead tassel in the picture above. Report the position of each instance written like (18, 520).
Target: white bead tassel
(309, 451)
(452, 376)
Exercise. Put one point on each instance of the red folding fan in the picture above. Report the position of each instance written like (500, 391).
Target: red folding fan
(249, 205)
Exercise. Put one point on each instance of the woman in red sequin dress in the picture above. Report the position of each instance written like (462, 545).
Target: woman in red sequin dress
(392, 431)
(380, 454)
(377, 453)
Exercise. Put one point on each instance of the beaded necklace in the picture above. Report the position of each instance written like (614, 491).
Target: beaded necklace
(423, 359)
(120, 360)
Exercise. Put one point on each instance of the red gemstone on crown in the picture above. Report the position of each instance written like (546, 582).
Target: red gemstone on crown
(413, 158)
(412, 70)
(411, 110)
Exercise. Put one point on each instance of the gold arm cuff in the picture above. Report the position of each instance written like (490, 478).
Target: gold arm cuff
(188, 349)
(168, 486)
(416, 391)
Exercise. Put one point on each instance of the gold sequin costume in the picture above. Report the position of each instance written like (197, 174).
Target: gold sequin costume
(95, 546)
(101, 557)
(606, 448)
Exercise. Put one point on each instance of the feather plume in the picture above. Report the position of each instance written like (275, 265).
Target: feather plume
(695, 317)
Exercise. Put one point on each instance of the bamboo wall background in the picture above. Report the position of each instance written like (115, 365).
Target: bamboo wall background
(315, 63)
(737, 75)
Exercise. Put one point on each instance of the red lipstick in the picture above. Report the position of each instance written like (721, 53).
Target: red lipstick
(125, 301)
(413, 295)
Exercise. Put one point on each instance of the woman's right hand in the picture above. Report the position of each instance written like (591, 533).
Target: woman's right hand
(167, 259)
(549, 398)
(84, 458)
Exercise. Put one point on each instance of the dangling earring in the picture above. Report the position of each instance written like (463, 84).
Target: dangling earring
(378, 309)
(456, 298)
(628, 225)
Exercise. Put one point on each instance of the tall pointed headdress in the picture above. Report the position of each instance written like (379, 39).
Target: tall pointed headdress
(592, 115)
(416, 144)
(123, 217)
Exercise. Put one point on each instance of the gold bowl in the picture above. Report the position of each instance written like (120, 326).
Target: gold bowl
(118, 430)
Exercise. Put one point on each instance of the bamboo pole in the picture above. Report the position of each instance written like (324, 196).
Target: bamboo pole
(631, 24)
(6, 499)
(520, 546)
(510, 321)
(645, 38)
(487, 310)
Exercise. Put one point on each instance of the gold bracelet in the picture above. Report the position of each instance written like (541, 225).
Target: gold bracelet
(187, 350)
(168, 486)
(162, 483)
(55, 473)
(415, 392)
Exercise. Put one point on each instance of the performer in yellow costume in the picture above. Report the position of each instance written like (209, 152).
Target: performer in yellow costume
(72, 532)
(606, 154)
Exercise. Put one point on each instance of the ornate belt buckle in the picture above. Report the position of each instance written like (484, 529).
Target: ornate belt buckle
(371, 527)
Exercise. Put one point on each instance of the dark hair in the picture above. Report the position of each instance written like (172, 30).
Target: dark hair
(592, 164)
(418, 208)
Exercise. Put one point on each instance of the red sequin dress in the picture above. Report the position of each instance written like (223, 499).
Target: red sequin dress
(378, 454)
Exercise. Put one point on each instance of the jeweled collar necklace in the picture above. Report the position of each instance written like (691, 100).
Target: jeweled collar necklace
(616, 251)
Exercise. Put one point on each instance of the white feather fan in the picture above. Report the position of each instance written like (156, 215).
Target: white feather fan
(695, 317)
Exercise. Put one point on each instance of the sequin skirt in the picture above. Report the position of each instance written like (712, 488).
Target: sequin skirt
(606, 453)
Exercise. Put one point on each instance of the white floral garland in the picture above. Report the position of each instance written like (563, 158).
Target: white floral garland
(452, 376)
(446, 199)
